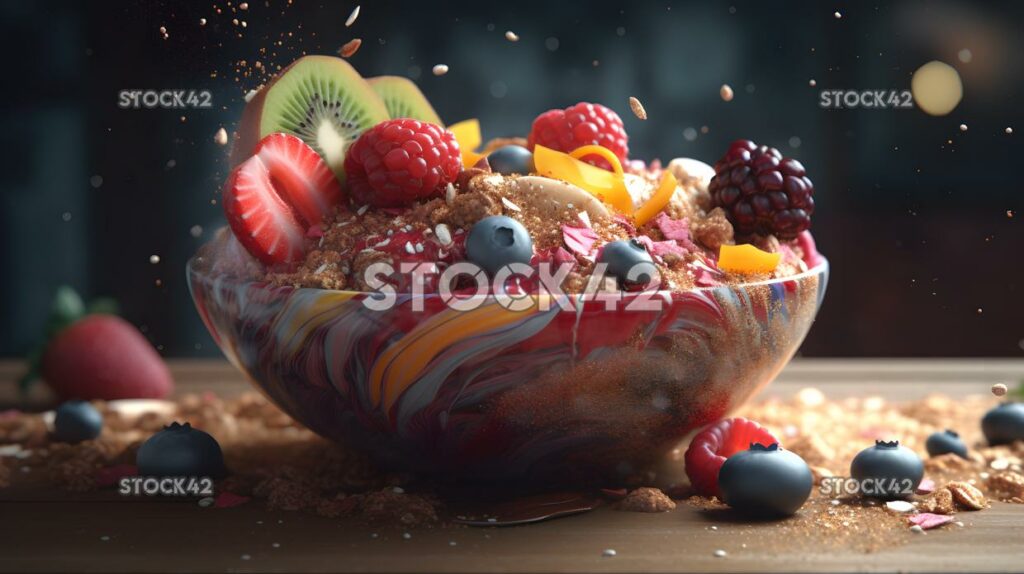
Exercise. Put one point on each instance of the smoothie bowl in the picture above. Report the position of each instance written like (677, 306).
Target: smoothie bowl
(582, 394)
(540, 308)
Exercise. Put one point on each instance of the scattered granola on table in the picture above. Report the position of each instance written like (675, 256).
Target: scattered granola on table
(282, 466)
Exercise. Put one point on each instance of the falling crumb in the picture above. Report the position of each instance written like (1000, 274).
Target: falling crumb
(221, 137)
(154, 259)
(440, 70)
(726, 92)
(206, 502)
(838, 15)
(721, 553)
(511, 36)
(638, 108)
(1009, 213)
(246, 557)
(1009, 130)
(352, 17)
(202, 21)
(812, 83)
(999, 389)
(963, 127)
(609, 552)
(350, 47)
(243, 6)
(196, 230)
(406, 536)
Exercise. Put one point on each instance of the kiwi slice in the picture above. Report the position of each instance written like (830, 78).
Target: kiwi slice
(403, 99)
(320, 99)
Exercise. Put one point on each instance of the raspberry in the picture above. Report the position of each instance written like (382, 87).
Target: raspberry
(762, 192)
(397, 162)
(580, 125)
(709, 449)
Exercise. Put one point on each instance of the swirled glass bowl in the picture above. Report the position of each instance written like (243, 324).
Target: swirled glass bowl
(584, 394)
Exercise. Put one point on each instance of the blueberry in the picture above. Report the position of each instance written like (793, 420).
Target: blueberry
(626, 255)
(887, 470)
(497, 241)
(765, 480)
(945, 442)
(76, 421)
(1004, 424)
(180, 450)
(511, 159)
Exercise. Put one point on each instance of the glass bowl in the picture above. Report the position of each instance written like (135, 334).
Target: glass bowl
(560, 395)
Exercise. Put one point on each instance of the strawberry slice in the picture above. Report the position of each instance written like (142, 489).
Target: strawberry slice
(301, 176)
(272, 199)
(717, 442)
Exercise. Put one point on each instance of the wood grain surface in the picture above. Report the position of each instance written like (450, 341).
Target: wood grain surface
(49, 531)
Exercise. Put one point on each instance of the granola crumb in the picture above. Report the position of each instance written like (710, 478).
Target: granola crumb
(646, 499)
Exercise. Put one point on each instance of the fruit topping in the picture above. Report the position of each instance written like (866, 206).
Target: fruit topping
(658, 201)
(275, 197)
(76, 421)
(629, 262)
(180, 450)
(945, 442)
(403, 99)
(320, 99)
(710, 448)
(401, 161)
(887, 471)
(497, 241)
(608, 186)
(578, 126)
(765, 480)
(1004, 424)
(762, 192)
(511, 159)
(746, 259)
(467, 133)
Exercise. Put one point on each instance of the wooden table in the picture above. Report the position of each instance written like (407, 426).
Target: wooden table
(48, 531)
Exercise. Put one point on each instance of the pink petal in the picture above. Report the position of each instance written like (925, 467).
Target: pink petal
(927, 486)
(315, 231)
(927, 520)
(585, 219)
(677, 229)
(579, 239)
(229, 499)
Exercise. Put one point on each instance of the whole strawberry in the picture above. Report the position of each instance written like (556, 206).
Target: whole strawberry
(580, 125)
(398, 162)
(97, 356)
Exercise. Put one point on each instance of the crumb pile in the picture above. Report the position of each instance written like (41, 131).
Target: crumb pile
(286, 467)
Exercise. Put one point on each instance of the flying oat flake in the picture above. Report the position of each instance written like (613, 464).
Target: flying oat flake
(440, 70)
(638, 108)
(511, 36)
(352, 17)
(221, 137)
(350, 47)
(726, 92)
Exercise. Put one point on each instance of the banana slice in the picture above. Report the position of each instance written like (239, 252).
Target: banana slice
(544, 191)
(691, 172)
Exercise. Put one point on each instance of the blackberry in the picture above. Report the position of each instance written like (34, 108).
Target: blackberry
(762, 192)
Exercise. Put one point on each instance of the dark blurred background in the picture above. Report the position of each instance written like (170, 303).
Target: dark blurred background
(923, 222)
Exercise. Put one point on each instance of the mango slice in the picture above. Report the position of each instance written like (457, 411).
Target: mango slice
(467, 133)
(747, 259)
(658, 201)
(608, 186)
